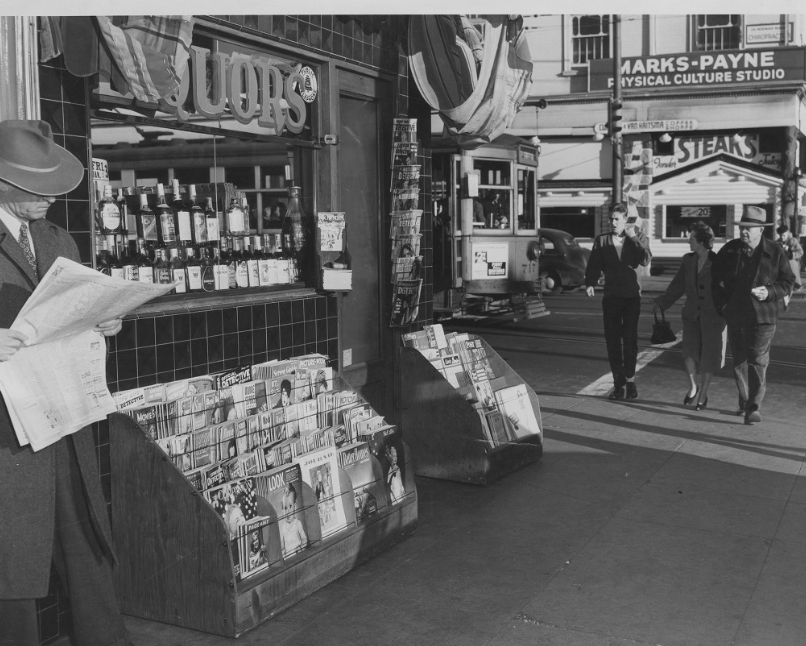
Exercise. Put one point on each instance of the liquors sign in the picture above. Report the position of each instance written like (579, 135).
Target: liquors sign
(688, 150)
(742, 67)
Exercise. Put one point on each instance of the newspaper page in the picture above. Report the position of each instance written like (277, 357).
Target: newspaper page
(56, 384)
(72, 298)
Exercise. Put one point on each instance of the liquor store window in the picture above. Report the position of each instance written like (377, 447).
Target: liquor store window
(680, 219)
(244, 170)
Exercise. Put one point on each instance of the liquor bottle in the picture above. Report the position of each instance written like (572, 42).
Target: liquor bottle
(128, 217)
(231, 259)
(198, 219)
(220, 271)
(271, 253)
(241, 267)
(283, 261)
(213, 228)
(128, 259)
(102, 256)
(253, 260)
(247, 214)
(145, 273)
(263, 259)
(178, 274)
(208, 269)
(236, 225)
(162, 271)
(295, 226)
(109, 213)
(193, 269)
(166, 220)
(147, 225)
(115, 268)
(183, 221)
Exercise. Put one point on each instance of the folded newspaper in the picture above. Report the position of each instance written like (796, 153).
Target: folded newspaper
(56, 384)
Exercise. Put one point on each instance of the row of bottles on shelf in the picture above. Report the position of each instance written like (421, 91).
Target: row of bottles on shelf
(185, 224)
(240, 261)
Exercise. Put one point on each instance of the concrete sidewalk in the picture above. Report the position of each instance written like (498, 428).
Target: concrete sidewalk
(644, 523)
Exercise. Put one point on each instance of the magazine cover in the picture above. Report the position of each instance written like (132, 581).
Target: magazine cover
(147, 419)
(406, 200)
(231, 377)
(355, 460)
(320, 472)
(181, 451)
(474, 358)
(386, 444)
(405, 178)
(282, 488)
(484, 393)
(407, 268)
(253, 540)
(404, 153)
(406, 302)
(405, 247)
(516, 408)
(235, 502)
(404, 130)
(204, 447)
(250, 398)
(405, 223)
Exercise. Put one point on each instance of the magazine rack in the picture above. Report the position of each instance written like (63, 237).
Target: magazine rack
(174, 558)
(445, 432)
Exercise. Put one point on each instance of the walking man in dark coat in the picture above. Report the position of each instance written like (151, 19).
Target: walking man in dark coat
(750, 278)
(51, 502)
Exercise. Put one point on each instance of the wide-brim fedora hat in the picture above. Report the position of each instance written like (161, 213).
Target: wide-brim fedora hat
(32, 161)
(754, 216)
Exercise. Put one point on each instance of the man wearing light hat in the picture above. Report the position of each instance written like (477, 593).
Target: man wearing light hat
(751, 277)
(51, 504)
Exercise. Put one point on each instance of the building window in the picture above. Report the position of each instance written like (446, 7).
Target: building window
(679, 219)
(579, 222)
(714, 32)
(590, 38)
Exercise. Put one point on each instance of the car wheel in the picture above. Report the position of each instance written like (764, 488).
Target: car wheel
(552, 283)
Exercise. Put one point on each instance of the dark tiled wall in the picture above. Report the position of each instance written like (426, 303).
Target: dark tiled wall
(155, 349)
(64, 106)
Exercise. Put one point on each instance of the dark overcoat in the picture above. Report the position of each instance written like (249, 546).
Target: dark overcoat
(27, 478)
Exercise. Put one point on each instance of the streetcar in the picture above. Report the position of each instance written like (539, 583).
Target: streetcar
(486, 247)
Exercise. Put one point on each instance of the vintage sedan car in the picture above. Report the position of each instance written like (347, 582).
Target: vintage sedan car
(562, 261)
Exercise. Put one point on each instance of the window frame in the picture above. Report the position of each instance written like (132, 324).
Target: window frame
(695, 32)
(569, 67)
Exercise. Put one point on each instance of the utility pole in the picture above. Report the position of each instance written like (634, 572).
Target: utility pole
(615, 113)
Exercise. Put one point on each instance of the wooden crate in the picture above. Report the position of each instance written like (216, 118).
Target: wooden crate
(444, 431)
(174, 558)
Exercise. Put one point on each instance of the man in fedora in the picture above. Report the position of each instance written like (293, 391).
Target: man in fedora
(750, 277)
(51, 504)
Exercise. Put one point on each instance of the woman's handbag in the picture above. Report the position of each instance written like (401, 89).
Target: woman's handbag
(661, 330)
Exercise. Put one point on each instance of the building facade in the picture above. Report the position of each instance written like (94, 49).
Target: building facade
(713, 119)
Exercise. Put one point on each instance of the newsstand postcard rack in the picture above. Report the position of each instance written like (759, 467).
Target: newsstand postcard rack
(446, 432)
(175, 562)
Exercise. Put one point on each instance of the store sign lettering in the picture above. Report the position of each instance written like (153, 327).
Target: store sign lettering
(250, 86)
(704, 68)
(688, 150)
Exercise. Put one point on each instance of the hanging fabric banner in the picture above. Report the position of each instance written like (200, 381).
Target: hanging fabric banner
(477, 82)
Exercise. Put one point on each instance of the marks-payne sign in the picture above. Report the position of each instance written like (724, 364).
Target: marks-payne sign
(702, 68)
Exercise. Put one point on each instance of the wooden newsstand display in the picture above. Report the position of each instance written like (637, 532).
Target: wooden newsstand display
(445, 432)
(174, 559)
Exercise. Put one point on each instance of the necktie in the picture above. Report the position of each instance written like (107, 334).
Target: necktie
(25, 243)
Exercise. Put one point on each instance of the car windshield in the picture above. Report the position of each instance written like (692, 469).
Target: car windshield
(569, 240)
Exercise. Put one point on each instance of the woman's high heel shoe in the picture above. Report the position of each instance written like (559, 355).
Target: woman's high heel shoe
(690, 400)
(702, 405)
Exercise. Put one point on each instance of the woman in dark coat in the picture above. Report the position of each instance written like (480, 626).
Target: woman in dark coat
(704, 335)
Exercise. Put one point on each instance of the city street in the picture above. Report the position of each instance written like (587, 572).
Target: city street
(644, 523)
